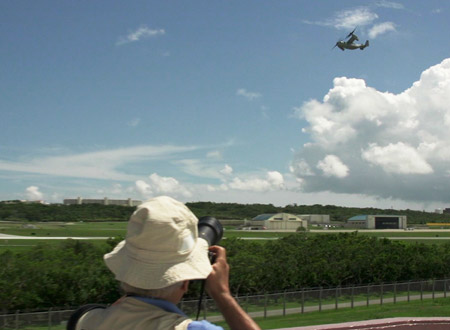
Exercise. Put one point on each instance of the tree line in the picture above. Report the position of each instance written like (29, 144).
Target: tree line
(98, 212)
(74, 273)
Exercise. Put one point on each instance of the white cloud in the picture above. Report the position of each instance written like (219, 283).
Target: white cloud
(227, 170)
(200, 168)
(381, 28)
(139, 34)
(275, 178)
(116, 189)
(331, 165)
(397, 158)
(161, 185)
(33, 193)
(248, 95)
(386, 145)
(168, 186)
(348, 19)
(300, 168)
(389, 4)
(273, 181)
(102, 164)
(214, 154)
(143, 188)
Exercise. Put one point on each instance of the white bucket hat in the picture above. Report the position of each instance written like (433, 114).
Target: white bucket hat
(161, 247)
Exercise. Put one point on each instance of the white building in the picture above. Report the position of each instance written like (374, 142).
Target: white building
(104, 201)
(278, 221)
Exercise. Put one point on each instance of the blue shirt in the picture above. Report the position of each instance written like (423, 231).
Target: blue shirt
(171, 308)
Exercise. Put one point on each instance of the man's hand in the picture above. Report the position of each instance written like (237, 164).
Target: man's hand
(217, 282)
(217, 286)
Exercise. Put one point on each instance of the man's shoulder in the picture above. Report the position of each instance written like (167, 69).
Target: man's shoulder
(203, 325)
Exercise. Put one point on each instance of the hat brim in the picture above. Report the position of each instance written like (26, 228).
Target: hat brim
(157, 275)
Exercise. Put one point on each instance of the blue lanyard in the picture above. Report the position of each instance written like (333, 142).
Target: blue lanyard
(163, 304)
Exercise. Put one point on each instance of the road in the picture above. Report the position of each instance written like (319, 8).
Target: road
(306, 309)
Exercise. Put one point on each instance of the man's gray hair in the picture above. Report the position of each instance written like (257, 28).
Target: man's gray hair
(152, 293)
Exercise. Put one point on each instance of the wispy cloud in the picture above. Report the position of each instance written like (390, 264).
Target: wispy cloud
(134, 122)
(381, 28)
(348, 19)
(248, 95)
(103, 164)
(389, 4)
(141, 33)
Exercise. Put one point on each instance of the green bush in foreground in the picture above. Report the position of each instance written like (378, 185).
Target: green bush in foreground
(69, 275)
(73, 273)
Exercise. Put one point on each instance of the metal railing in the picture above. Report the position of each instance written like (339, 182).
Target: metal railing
(269, 304)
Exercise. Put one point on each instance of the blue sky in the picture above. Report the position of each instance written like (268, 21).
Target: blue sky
(236, 101)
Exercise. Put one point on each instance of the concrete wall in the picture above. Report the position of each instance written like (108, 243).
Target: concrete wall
(315, 218)
(285, 225)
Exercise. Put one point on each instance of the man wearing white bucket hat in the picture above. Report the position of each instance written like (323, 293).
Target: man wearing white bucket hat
(154, 264)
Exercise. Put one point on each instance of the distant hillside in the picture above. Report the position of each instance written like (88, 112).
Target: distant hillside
(98, 212)
(66, 213)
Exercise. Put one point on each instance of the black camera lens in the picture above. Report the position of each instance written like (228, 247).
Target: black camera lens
(210, 229)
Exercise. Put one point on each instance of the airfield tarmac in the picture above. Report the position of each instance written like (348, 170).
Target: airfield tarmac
(5, 236)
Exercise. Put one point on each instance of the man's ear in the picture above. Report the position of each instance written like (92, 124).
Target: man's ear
(185, 285)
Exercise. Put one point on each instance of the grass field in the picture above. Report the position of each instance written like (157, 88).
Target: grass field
(426, 308)
(115, 229)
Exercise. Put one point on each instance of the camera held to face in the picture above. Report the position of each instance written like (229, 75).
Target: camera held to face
(211, 230)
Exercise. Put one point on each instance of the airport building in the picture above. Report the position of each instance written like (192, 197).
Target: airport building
(378, 222)
(316, 219)
(104, 201)
(278, 221)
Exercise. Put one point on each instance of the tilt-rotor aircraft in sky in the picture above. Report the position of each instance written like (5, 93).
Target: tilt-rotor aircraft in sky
(344, 44)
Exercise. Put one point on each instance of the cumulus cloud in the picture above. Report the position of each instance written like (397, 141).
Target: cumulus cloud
(142, 32)
(161, 185)
(227, 170)
(248, 95)
(397, 158)
(331, 165)
(168, 185)
(143, 188)
(381, 28)
(365, 141)
(33, 193)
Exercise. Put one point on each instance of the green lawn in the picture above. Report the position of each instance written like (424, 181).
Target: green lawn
(426, 308)
(118, 228)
